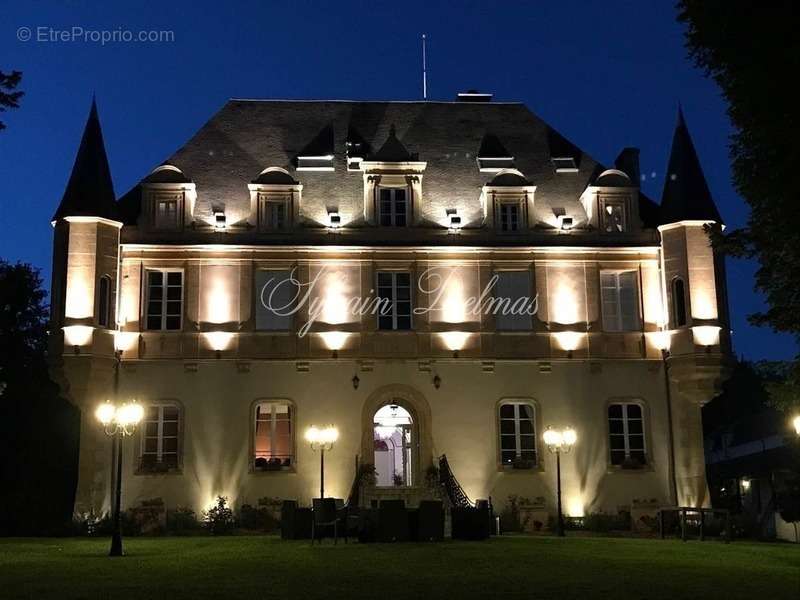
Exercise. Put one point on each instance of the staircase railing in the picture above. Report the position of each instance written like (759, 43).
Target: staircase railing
(455, 493)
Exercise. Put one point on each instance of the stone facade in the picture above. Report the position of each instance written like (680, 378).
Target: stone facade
(451, 371)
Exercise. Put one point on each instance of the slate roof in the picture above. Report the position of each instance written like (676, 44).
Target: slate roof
(247, 136)
(90, 191)
(686, 196)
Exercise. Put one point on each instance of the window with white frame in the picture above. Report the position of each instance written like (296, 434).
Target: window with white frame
(394, 297)
(619, 294)
(164, 299)
(626, 435)
(160, 438)
(509, 216)
(517, 435)
(392, 207)
(275, 214)
(166, 213)
(273, 438)
(613, 215)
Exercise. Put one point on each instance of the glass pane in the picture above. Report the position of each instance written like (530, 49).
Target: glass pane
(156, 293)
(150, 445)
(639, 457)
(150, 429)
(404, 323)
(400, 220)
(174, 278)
(634, 411)
(508, 442)
(154, 322)
(404, 279)
(528, 455)
(173, 293)
(617, 457)
(615, 426)
(635, 426)
(507, 411)
(527, 442)
(507, 426)
(170, 444)
(526, 427)
(385, 322)
(617, 442)
(526, 411)
(385, 279)
(173, 323)
(155, 278)
(615, 411)
(170, 413)
(636, 442)
(170, 428)
(154, 308)
(508, 456)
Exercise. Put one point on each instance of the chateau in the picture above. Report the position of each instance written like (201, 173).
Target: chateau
(520, 285)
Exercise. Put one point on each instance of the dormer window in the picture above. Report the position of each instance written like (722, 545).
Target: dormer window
(613, 215)
(393, 207)
(274, 214)
(509, 215)
(166, 213)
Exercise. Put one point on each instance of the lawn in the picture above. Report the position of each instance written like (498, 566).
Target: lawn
(507, 567)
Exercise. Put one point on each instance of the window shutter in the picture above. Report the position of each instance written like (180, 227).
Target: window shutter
(629, 301)
(273, 300)
(512, 286)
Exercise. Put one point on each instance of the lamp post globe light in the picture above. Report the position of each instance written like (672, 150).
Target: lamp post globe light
(118, 423)
(559, 442)
(796, 424)
(322, 439)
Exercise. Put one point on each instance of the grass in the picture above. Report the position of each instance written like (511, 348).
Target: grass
(506, 567)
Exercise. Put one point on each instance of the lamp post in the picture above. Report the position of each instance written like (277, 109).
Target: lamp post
(558, 442)
(322, 439)
(796, 424)
(118, 422)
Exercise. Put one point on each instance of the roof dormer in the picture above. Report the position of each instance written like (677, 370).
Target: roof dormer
(507, 202)
(274, 200)
(611, 203)
(168, 197)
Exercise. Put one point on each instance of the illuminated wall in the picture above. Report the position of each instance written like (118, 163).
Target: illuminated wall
(447, 288)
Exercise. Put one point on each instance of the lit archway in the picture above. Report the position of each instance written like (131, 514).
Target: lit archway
(394, 440)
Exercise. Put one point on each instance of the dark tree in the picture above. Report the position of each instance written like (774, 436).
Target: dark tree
(752, 51)
(9, 95)
(38, 429)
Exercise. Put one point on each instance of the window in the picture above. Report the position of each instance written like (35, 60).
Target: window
(619, 292)
(626, 435)
(160, 438)
(517, 435)
(275, 297)
(394, 295)
(104, 301)
(166, 213)
(678, 302)
(612, 213)
(273, 447)
(513, 305)
(164, 300)
(392, 207)
(274, 215)
(509, 213)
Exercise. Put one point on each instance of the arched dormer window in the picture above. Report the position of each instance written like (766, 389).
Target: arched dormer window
(678, 302)
(507, 201)
(104, 301)
(275, 201)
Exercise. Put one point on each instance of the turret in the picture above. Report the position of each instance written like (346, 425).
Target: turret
(696, 315)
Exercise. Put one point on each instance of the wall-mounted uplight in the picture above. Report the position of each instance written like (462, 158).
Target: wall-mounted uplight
(565, 222)
(661, 340)
(454, 341)
(568, 341)
(706, 335)
(125, 340)
(334, 340)
(453, 220)
(77, 336)
(218, 341)
(334, 220)
(220, 221)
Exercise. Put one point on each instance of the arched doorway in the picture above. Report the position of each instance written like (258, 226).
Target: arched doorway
(394, 442)
(412, 416)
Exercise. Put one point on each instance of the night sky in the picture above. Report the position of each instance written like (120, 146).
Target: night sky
(607, 75)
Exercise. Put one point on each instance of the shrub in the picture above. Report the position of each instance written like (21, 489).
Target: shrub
(219, 518)
(510, 518)
(182, 521)
(259, 518)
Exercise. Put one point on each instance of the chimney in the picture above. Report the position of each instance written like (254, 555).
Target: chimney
(473, 96)
(628, 163)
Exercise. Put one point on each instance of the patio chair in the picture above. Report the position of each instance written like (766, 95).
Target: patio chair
(295, 521)
(392, 521)
(325, 517)
(430, 521)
